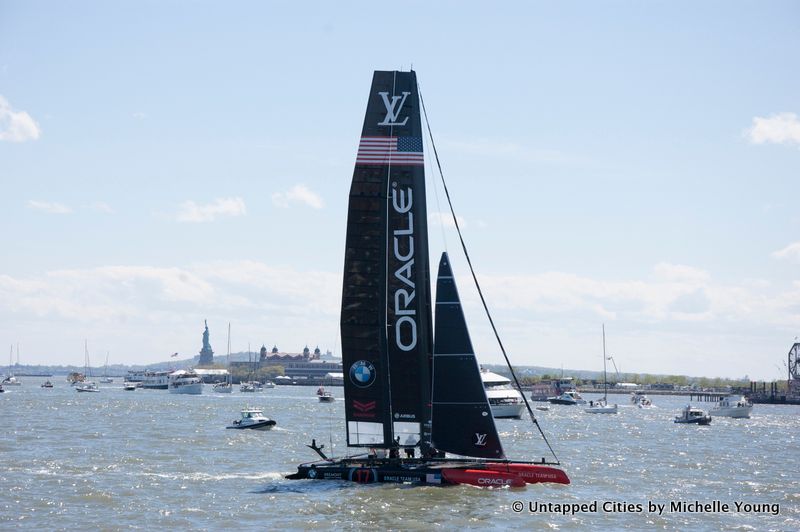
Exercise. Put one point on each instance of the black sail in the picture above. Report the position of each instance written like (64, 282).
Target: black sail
(462, 418)
(386, 304)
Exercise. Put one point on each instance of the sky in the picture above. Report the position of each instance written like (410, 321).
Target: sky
(621, 163)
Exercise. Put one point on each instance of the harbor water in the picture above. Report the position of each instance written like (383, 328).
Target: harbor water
(147, 459)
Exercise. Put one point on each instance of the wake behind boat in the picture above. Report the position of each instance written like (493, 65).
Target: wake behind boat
(403, 393)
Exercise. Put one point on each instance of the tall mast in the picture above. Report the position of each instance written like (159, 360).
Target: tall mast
(605, 382)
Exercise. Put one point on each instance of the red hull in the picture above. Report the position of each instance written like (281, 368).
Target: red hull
(531, 473)
(483, 478)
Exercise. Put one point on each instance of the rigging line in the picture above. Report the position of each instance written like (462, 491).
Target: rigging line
(475, 278)
(438, 205)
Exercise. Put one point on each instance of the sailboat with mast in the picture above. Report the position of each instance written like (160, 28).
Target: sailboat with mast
(601, 406)
(87, 385)
(411, 385)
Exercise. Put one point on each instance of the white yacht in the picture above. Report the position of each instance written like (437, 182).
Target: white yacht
(504, 400)
(87, 386)
(601, 406)
(570, 397)
(253, 418)
(639, 399)
(185, 382)
(11, 380)
(733, 406)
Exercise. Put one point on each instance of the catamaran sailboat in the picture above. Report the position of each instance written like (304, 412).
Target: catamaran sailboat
(404, 387)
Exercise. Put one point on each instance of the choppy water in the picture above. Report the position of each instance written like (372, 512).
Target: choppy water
(148, 459)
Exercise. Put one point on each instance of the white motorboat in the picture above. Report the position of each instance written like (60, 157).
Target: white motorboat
(693, 415)
(11, 380)
(570, 397)
(223, 387)
(253, 418)
(185, 382)
(269, 384)
(325, 396)
(47, 384)
(639, 399)
(504, 400)
(247, 387)
(130, 386)
(87, 386)
(735, 406)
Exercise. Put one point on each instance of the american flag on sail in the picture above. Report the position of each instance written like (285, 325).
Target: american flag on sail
(401, 151)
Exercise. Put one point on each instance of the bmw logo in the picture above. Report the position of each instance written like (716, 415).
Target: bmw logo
(362, 374)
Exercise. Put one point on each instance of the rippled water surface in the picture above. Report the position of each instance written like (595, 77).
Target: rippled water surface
(148, 459)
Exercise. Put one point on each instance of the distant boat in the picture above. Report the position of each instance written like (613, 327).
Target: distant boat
(47, 384)
(106, 378)
(324, 395)
(10, 379)
(601, 406)
(86, 385)
(734, 406)
(253, 418)
(186, 382)
(130, 386)
(570, 397)
(693, 415)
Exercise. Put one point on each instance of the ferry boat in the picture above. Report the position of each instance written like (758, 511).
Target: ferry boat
(505, 400)
(735, 406)
(156, 380)
(693, 415)
(185, 382)
(404, 392)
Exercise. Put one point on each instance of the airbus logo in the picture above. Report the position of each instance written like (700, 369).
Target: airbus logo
(393, 108)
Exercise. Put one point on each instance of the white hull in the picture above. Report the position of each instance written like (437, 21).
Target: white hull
(223, 389)
(507, 411)
(601, 409)
(188, 389)
(734, 411)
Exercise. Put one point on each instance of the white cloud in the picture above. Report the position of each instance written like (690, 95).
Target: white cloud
(192, 212)
(16, 126)
(781, 128)
(792, 251)
(49, 207)
(445, 219)
(101, 206)
(298, 194)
